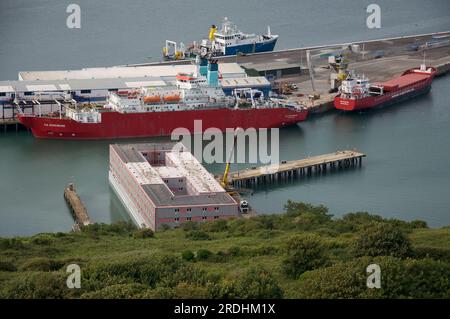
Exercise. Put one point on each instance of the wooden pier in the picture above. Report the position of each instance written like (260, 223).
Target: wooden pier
(298, 168)
(5, 124)
(77, 208)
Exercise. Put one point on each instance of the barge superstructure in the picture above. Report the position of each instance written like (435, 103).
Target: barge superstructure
(165, 184)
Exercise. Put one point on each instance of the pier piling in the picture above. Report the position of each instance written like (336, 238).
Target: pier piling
(317, 165)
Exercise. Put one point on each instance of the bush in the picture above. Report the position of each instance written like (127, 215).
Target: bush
(143, 233)
(399, 279)
(431, 252)
(307, 216)
(118, 228)
(235, 251)
(382, 239)
(164, 227)
(185, 290)
(203, 254)
(304, 252)
(258, 283)
(11, 243)
(41, 264)
(188, 255)
(119, 291)
(197, 235)
(39, 285)
(189, 225)
(215, 226)
(418, 224)
(7, 266)
(42, 239)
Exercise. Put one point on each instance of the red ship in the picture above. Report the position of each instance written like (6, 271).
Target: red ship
(158, 112)
(358, 94)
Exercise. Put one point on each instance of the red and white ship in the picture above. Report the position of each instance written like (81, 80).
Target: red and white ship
(357, 93)
(158, 112)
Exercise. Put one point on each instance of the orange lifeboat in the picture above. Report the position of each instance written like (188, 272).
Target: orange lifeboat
(172, 98)
(152, 99)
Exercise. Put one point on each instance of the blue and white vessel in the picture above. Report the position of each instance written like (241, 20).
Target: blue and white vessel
(229, 40)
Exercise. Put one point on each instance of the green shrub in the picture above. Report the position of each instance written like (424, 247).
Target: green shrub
(118, 228)
(258, 283)
(197, 235)
(418, 224)
(11, 243)
(215, 226)
(203, 254)
(119, 291)
(188, 255)
(37, 285)
(143, 233)
(41, 264)
(303, 252)
(7, 266)
(235, 251)
(42, 239)
(399, 279)
(442, 254)
(307, 216)
(189, 225)
(382, 239)
(164, 227)
(184, 290)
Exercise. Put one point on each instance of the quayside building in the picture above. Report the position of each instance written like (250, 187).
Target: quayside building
(163, 184)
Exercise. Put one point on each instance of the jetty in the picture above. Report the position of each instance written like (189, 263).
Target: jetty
(77, 208)
(298, 168)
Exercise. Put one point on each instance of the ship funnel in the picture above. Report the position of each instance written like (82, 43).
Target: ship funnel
(212, 76)
(268, 31)
(203, 69)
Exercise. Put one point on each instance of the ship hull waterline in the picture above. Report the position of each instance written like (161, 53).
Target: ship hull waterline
(408, 92)
(152, 124)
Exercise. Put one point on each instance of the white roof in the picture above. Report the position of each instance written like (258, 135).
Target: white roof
(169, 172)
(245, 81)
(226, 69)
(136, 84)
(195, 173)
(65, 87)
(6, 88)
(144, 173)
(42, 87)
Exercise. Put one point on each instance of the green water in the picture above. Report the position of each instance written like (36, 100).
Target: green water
(406, 174)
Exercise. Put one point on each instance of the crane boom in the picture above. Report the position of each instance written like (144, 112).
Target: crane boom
(224, 181)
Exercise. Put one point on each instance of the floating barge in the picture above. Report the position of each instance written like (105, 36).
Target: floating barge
(163, 184)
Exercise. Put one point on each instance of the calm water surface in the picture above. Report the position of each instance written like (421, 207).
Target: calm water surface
(406, 174)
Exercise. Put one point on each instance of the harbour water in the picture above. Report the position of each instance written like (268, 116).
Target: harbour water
(406, 173)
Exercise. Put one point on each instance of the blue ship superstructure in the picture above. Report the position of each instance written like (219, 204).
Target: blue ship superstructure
(229, 40)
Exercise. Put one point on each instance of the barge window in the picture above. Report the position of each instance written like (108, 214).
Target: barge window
(2, 93)
(113, 90)
(85, 91)
(28, 93)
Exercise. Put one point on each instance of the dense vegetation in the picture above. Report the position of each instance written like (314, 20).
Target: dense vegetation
(303, 253)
